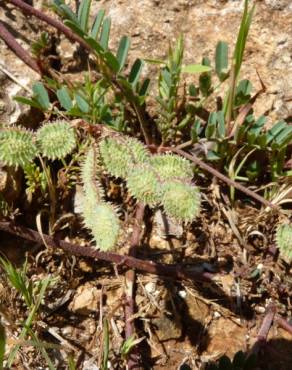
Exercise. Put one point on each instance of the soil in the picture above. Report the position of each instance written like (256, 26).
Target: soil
(182, 324)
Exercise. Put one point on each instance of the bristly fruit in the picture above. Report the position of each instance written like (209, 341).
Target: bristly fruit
(56, 139)
(170, 166)
(99, 217)
(284, 241)
(119, 155)
(17, 147)
(143, 185)
(181, 201)
(91, 187)
(103, 223)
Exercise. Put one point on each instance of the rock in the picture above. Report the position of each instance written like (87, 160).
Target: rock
(225, 337)
(166, 227)
(167, 328)
(86, 300)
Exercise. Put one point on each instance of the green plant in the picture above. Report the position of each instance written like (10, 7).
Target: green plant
(19, 147)
(32, 293)
(284, 241)
(158, 180)
(99, 217)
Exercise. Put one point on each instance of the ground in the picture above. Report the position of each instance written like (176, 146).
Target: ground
(182, 323)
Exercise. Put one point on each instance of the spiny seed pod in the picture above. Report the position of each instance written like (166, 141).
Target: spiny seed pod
(143, 185)
(17, 147)
(102, 220)
(56, 139)
(181, 201)
(170, 166)
(120, 154)
(99, 217)
(91, 187)
(284, 241)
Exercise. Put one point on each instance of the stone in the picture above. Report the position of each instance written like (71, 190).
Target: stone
(86, 300)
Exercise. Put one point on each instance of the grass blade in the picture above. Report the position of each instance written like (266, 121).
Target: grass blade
(105, 344)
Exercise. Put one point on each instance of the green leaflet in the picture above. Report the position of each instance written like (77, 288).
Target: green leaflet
(284, 241)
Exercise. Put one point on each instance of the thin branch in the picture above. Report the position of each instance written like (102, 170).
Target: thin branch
(265, 328)
(30, 10)
(283, 324)
(22, 54)
(222, 177)
(75, 38)
(130, 276)
(175, 271)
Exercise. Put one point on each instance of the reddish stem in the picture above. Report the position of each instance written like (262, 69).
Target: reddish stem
(22, 54)
(222, 177)
(265, 328)
(51, 21)
(175, 271)
(284, 324)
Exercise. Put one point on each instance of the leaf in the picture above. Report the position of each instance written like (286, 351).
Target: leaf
(75, 28)
(221, 124)
(154, 61)
(195, 130)
(82, 104)
(221, 60)
(205, 82)
(94, 45)
(275, 130)
(111, 61)
(123, 51)
(244, 87)
(145, 87)
(242, 36)
(64, 98)
(284, 137)
(97, 23)
(211, 125)
(41, 95)
(83, 14)
(67, 13)
(212, 156)
(196, 68)
(105, 31)
(135, 72)
(31, 102)
(193, 91)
